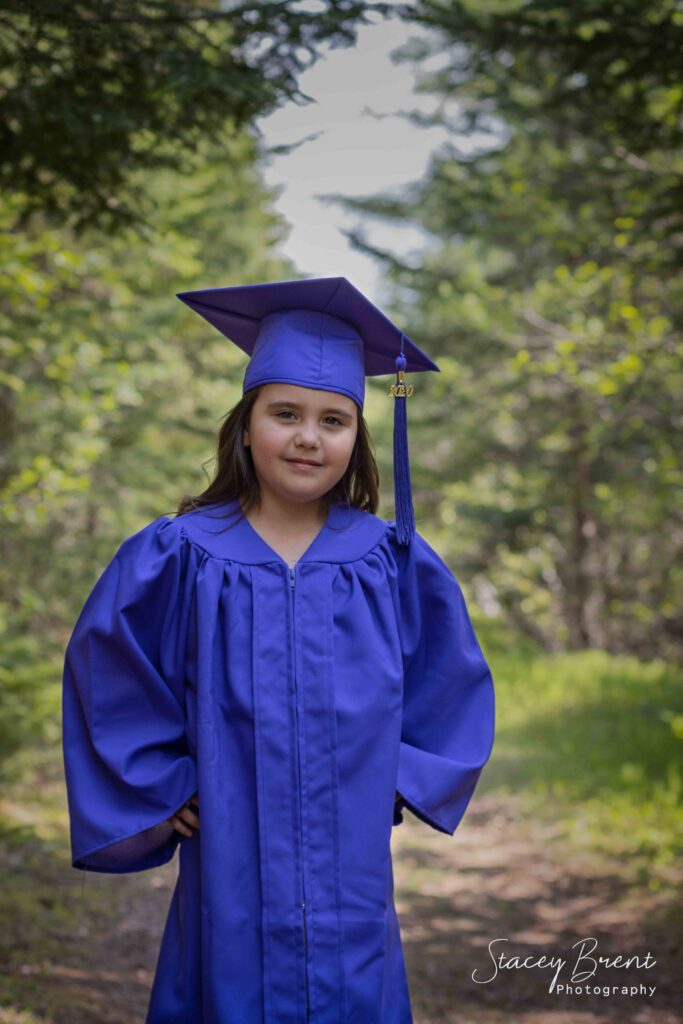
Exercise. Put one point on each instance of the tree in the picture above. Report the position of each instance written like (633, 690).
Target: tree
(550, 297)
(112, 393)
(94, 92)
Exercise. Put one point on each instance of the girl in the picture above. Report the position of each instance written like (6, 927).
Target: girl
(289, 668)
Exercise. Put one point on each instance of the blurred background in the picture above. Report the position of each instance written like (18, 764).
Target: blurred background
(503, 177)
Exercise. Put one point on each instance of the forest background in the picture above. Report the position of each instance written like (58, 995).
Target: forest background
(545, 455)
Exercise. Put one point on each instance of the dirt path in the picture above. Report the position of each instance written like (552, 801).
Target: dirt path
(501, 876)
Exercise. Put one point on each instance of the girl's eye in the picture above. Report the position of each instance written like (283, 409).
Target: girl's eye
(289, 412)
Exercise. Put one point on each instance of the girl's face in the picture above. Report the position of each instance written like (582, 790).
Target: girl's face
(290, 423)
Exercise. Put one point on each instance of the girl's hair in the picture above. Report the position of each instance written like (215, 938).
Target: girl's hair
(235, 477)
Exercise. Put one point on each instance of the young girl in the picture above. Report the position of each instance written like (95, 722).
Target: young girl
(289, 668)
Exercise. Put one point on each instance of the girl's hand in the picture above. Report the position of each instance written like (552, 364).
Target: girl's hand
(184, 816)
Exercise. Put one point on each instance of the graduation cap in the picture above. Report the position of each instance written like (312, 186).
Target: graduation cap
(320, 333)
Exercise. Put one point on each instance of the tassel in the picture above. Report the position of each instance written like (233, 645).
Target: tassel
(405, 517)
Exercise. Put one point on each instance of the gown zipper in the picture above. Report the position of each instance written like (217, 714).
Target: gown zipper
(298, 750)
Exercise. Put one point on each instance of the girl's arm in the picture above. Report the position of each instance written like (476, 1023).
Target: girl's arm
(127, 763)
(448, 695)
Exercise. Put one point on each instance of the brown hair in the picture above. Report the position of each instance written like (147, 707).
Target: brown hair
(235, 477)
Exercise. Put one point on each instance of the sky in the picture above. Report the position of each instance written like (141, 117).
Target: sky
(350, 152)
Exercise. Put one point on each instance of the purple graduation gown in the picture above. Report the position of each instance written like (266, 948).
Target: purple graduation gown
(295, 701)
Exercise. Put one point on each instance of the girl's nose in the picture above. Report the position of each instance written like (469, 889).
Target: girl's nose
(307, 436)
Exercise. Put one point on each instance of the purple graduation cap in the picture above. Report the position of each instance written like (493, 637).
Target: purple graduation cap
(320, 333)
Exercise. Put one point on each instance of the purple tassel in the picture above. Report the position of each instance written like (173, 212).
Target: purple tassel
(405, 517)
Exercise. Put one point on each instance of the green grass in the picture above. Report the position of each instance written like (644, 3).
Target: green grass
(49, 910)
(593, 743)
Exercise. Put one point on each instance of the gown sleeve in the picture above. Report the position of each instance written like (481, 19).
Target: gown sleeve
(448, 696)
(127, 763)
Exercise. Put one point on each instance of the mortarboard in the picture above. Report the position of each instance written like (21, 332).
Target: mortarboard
(320, 333)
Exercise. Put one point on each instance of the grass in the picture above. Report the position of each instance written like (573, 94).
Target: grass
(42, 908)
(593, 744)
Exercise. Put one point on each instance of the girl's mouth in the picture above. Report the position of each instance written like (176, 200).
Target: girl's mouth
(302, 464)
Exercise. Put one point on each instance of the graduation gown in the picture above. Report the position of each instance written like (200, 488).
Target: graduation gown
(296, 701)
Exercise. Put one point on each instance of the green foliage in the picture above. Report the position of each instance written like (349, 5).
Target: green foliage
(27, 692)
(110, 394)
(95, 92)
(545, 453)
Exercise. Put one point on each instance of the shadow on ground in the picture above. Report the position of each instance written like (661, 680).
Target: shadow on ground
(504, 877)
